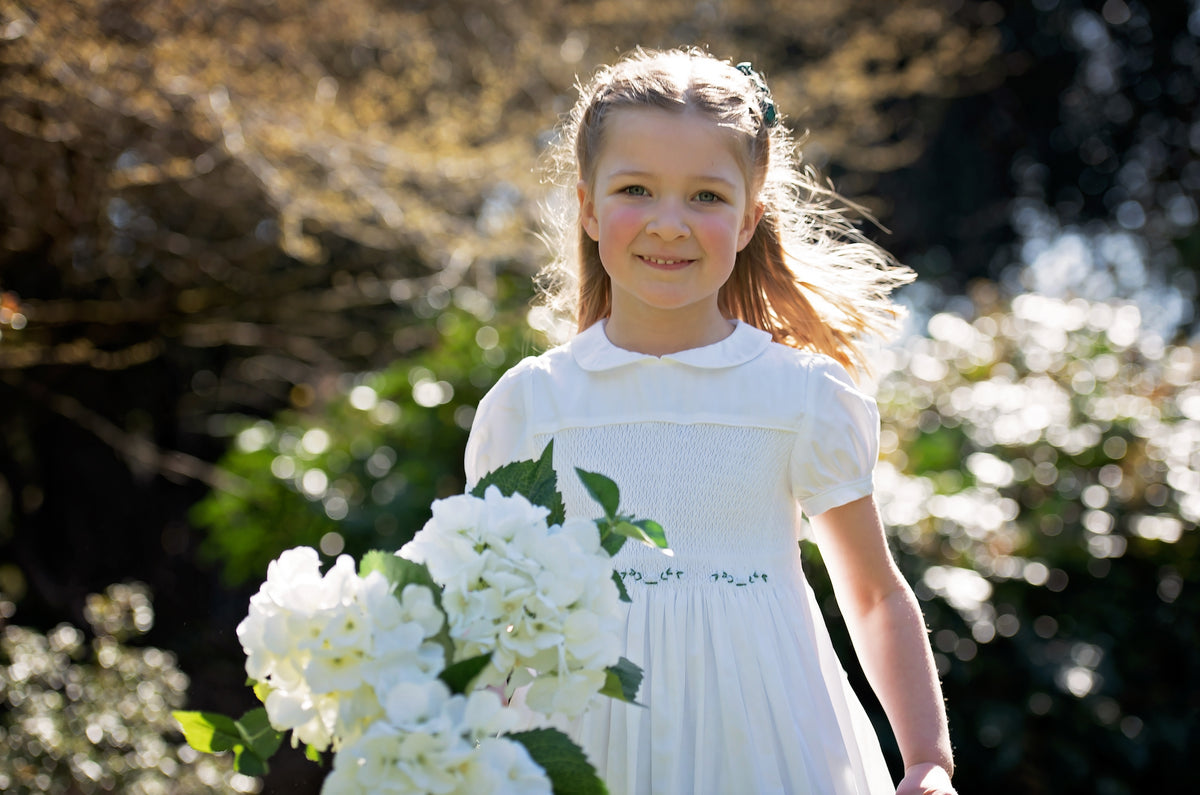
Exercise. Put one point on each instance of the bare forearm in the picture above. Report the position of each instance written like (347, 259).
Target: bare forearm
(889, 635)
(893, 647)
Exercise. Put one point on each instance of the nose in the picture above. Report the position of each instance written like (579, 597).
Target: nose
(668, 221)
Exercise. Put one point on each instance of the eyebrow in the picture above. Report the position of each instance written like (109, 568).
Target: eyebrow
(706, 178)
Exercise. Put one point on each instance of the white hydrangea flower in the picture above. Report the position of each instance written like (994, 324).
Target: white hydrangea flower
(402, 653)
(326, 645)
(566, 694)
(536, 596)
(433, 742)
(503, 767)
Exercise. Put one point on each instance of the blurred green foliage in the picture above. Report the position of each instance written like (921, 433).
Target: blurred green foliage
(85, 717)
(360, 469)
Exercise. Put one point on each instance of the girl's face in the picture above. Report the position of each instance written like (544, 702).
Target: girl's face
(669, 205)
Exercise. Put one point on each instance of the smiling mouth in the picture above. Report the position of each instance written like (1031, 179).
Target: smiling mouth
(659, 262)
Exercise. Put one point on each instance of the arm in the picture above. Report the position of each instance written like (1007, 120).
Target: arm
(500, 433)
(889, 636)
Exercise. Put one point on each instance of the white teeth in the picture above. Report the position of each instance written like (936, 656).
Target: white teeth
(663, 261)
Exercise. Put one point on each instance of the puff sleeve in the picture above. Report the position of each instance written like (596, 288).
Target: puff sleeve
(500, 432)
(837, 447)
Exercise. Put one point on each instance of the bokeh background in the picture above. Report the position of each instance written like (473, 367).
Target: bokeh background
(259, 259)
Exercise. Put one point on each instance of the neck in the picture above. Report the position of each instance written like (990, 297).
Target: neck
(660, 333)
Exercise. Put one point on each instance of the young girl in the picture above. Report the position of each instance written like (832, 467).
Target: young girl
(720, 295)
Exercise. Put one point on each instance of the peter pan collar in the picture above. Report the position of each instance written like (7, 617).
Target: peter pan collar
(594, 352)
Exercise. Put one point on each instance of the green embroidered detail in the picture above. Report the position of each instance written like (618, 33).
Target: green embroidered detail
(632, 575)
(638, 577)
(726, 577)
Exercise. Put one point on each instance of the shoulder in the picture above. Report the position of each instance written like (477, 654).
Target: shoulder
(506, 418)
(556, 361)
(803, 368)
(824, 391)
(518, 379)
(779, 353)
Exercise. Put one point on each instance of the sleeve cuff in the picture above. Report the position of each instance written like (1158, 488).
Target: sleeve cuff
(842, 494)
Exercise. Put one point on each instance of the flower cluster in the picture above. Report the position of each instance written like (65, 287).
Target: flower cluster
(328, 648)
(435, 742)
(539, 597)
(394, 665)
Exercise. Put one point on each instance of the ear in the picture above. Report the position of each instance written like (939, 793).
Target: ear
(754, 214)
(587, 211)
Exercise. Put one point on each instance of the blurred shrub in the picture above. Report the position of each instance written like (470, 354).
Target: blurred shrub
(359, 470)
(81, 718)
(1041, 478)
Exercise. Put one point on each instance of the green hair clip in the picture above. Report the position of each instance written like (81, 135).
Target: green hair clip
(765, 103)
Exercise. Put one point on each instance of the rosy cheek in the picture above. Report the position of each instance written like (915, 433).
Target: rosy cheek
(716, 229)
(625, 219)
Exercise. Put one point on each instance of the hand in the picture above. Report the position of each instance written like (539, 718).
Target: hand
(926, 778)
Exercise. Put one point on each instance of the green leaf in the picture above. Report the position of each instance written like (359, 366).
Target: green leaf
(623, 681)
(260, 736)
(313, 755)
(251, 738)
(209, 732)
(603, 491)
(535, 480)
(565, 764)
(248, 763)
(624, 594)
(610, 541)
(459, 676)
(644, 530)
(398, 571)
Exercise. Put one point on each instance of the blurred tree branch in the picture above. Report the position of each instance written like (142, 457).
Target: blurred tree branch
(297, 177)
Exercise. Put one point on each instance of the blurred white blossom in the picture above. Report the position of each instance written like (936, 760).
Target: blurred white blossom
(1051, 417)
(89, 717)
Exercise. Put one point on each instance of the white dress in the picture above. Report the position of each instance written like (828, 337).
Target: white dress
(743, 692)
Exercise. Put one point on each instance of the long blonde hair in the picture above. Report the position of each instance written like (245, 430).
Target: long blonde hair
(808, 276)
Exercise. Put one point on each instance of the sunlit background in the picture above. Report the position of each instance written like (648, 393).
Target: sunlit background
(259, 259)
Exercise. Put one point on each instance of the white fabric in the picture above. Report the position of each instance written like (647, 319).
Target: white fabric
(743, 690)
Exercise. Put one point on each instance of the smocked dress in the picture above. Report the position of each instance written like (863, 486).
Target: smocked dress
(743, 692)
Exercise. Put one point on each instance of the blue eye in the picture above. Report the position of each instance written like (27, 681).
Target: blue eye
(634, 190)
(707, 197)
